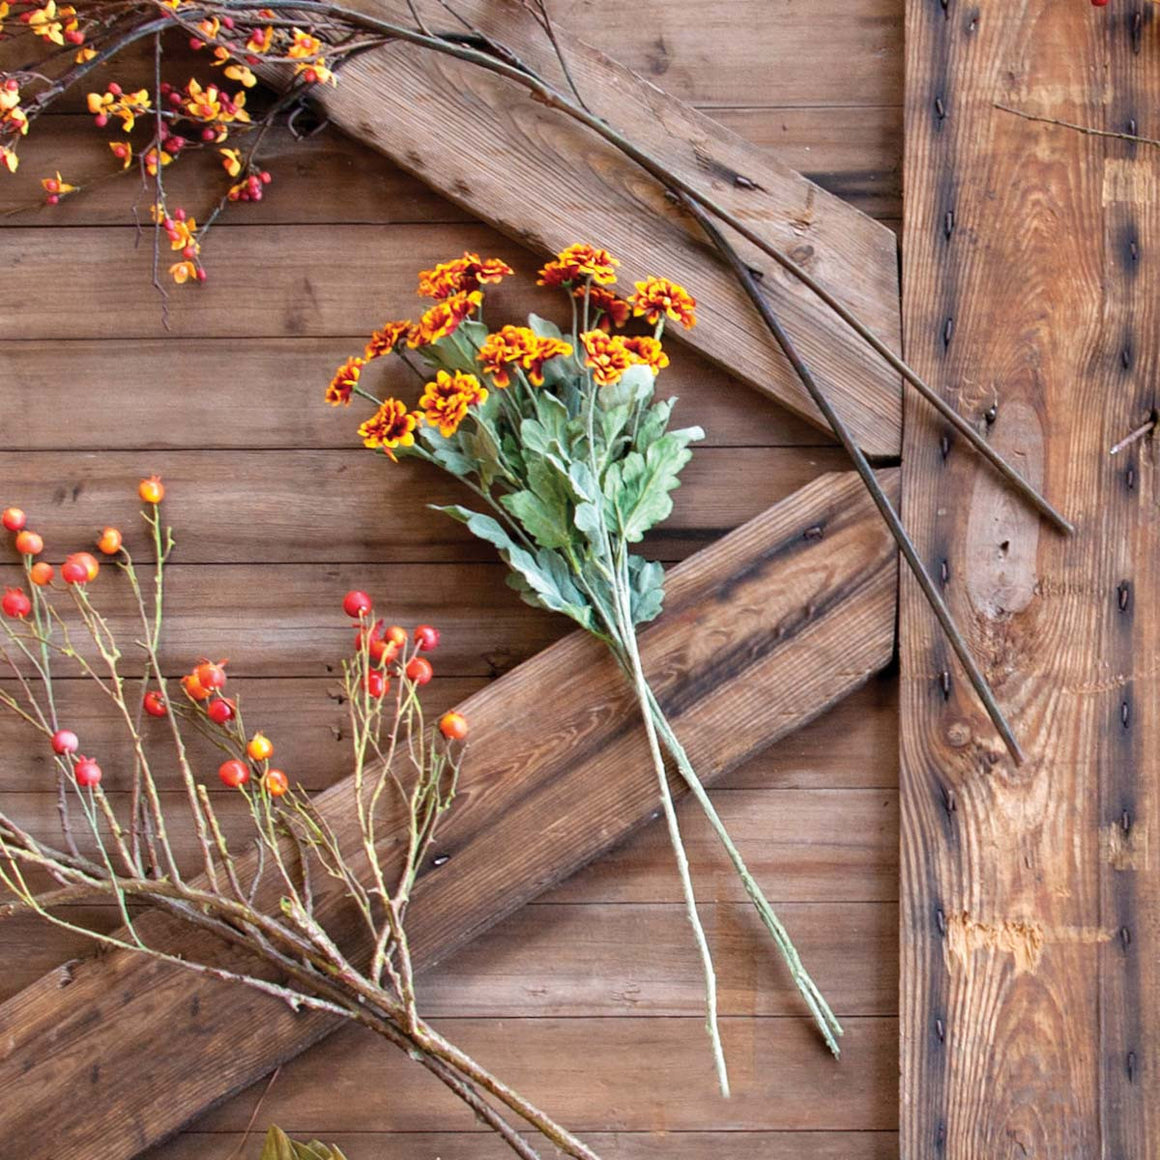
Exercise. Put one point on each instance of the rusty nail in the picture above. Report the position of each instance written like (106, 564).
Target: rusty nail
(944, 571)
(991, 414)
(1124, 714)
(948, 330)
(1125, 937)
(940, 1030)
(949, 223)
(743, 182)
(944, 681)
(940, 921)
(1126, 823)
(939, 108)
(1123, 591)
(944, 445)
(1134, 436)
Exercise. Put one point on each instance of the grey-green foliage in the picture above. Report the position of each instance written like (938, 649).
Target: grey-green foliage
(575, 472)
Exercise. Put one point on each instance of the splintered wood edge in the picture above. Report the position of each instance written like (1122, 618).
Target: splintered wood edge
(763, 632)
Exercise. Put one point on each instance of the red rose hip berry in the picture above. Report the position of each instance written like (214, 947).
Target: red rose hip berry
(275, 782)
(155, 704)
(375, 684)
(419, 670)
(14, 519)
(221, 711)
(356, 604)
(426, 637)
(87, 772)
(64, 741)
(234, 773)
(16, 603)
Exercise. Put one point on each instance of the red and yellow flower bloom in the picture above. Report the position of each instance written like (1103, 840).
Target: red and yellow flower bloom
(647, 350)
(344, 382)
(386, 338)
(577, 264)
(462, 275)
(607, 355)
(444, 318)
(611, 310)
(446, 400)
(519, 346)
(657, 298)
(391, 426)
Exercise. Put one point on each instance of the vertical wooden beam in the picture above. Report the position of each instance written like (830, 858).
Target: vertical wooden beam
(1031, 913)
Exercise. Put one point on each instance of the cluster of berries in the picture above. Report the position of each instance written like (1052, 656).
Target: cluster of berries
(386, 645)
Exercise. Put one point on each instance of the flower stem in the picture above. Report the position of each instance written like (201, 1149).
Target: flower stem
(824, 1017)
(644, 694)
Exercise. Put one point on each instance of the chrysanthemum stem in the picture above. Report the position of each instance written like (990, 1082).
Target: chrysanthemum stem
(824, 1017)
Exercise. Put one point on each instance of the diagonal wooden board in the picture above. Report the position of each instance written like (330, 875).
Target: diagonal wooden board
(763, 631)
(1030, 987)
(547, 182)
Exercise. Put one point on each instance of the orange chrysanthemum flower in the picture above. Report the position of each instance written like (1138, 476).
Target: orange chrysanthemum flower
(611, 311)
(577, 264)
(446, 400)
(519, 346)
(462, 275)
(658, 297)
(607, 355)
(444, 318)
(344, 382)
(386, 338)
(648, 351)
(392, 425)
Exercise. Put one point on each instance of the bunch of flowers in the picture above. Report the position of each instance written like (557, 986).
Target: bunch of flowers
(562, 440)
(266, 891)
(193, 116)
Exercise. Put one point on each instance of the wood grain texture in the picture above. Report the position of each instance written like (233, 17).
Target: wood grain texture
(852, 151)
(751, 605)
(853, 747)
(1030, 1020)
(242, 507)
(546, 181)
(195, 403)
(699, 1145)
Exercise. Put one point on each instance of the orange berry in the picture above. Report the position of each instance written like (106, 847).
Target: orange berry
(151, 490)
(260, 747)
(275, 782)
(109, 541)
(40, 573)
(453, 726)
(29, 543)
(194, 687)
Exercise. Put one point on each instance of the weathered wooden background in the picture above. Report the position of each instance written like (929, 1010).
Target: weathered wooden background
(589, 999)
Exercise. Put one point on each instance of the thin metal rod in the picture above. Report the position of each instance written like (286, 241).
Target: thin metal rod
(881, 499)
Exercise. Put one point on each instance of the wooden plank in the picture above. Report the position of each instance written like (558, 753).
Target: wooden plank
(560, 960)
(410, 105)
(699, 1145)
(706, 52)
(600, 1075)
(1031, 916)
(285, 617)
(854, 746)
(789, 836)
(750, 607)
(196, 403)
(246, 506)
(854, 152)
